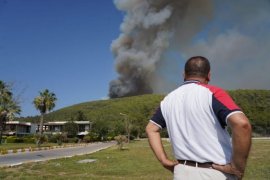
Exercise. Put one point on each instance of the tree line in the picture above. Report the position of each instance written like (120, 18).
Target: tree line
(127, 115)
(9, 106)
(256, 105)
(110, 117)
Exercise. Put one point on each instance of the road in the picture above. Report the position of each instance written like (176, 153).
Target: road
(43, 155)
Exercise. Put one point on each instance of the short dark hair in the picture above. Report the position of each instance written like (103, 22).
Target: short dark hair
(197, 66)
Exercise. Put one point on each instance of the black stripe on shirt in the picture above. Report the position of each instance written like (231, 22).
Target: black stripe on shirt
(158, 118)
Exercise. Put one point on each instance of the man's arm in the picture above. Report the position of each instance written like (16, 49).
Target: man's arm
(241, 142)
(153, 134)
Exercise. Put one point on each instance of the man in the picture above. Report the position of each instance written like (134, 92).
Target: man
(195, 115)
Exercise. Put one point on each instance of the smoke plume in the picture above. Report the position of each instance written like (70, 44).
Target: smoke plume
(237, 44)
(147, 32)
(234, 35)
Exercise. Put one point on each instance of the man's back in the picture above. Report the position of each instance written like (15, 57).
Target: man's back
(196, 132)
(196, 115)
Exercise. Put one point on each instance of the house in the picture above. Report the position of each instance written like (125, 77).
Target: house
(19, 128)
(26, 128)
(58, 127)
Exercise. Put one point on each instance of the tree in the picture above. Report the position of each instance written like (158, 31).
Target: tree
(71, 128)
(80, 116)
(44, 103)
(101, 128)
(8, 106)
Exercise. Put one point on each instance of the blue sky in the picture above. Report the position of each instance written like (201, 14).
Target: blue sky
(62, 45)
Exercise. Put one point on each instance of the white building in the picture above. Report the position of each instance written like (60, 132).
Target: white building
(25, 128)
(20, 128)
(58, 126)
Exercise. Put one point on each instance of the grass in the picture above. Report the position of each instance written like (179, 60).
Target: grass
(135, 162)
(259, 161)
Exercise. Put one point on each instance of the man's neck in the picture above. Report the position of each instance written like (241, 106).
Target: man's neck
(201, 80)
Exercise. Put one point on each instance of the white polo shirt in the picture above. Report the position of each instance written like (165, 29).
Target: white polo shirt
(195, 116)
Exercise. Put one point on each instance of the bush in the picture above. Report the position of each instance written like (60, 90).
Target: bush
(29, 140)
(4, 139)
(53, 138)
(58, 138)
(40, 139)
(26, 139)
(10, 139)
(109, 138)
(131, 137)
(72, 140)
(91, 137)
(120, 141)
(87, 139)
(14, 139)
(4, 151)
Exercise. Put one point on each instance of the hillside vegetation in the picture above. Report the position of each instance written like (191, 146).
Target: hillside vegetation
(109, 116)
(256, 105)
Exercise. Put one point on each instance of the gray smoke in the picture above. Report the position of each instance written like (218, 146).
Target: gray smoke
(237, 44)
(234, 35)
(148, 29)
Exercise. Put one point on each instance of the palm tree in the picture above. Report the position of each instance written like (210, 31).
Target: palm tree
(8, 106)
(44, 103)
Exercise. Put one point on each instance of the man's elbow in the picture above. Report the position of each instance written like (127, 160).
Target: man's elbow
(246, 127)
(239, 122)
(243, 125)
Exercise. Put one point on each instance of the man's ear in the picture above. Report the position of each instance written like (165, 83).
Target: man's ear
(209, 76)
(184, 75)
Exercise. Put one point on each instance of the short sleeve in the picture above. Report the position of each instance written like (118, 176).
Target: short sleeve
(223, 106)
(158, 118)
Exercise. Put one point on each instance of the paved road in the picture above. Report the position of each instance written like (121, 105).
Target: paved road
(19, 158)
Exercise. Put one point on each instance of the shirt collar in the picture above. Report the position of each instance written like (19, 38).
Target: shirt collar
(191, 81)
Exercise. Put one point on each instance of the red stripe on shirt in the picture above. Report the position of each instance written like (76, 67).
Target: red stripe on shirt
(222, 96)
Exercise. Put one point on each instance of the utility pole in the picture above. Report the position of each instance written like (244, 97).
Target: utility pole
(127, 125)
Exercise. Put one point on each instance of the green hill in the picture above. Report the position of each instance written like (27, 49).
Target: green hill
(106, 114)
(109, 115)
(256, 105)
(105, 109)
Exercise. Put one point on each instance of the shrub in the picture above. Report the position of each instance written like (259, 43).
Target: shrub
(4, 139)
(120, 141)
(94, 137)
(40, 139)
(14, 139)
(59, 138)
(87, 139)
(91, 137)
(29, 140)
(4, 151)
(11, 139)
(72, 140)
(18, 140)
(109, 138)
(131, 137)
